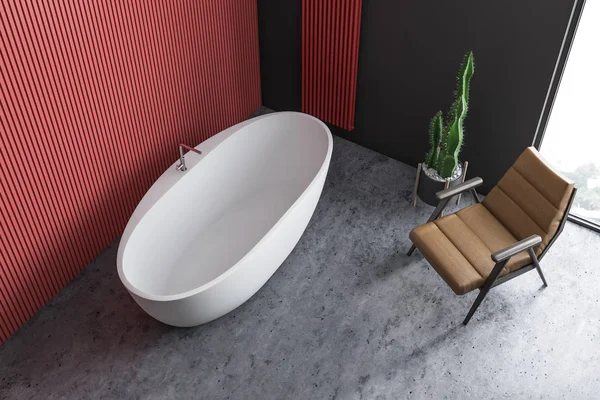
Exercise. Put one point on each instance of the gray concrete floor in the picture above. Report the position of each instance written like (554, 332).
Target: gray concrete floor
(346, 316)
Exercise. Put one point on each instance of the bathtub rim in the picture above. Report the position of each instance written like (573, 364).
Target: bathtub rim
(159, 189)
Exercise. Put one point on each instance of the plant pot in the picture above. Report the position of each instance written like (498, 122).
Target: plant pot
(430, 183)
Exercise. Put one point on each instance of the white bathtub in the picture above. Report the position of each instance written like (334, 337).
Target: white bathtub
(203, 241)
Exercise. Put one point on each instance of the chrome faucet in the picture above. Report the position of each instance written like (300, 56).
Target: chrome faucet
(181, 166)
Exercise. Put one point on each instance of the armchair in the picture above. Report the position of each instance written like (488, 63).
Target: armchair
(491, 242)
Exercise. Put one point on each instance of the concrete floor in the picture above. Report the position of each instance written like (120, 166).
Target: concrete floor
(347, 316)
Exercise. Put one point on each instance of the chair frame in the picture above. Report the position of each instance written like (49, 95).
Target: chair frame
(501, 257)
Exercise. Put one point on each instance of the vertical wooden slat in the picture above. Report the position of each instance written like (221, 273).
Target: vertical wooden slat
(304, 47)
(330, 41)
(347, 99)
(337, 27)
(311, 24)
(322, 60)
(355, 41)
(95, 97)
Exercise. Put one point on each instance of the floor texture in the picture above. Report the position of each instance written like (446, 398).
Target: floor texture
(347, 316)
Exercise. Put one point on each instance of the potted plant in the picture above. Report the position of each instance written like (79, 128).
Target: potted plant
(441, 167)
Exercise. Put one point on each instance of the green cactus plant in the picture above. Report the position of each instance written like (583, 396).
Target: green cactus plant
(436, 129)
(443, 155)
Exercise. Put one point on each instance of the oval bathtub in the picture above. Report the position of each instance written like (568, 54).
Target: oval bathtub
(203, 241)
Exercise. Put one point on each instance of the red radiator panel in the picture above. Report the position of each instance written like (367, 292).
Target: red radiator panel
(95, 97)
(330, 39)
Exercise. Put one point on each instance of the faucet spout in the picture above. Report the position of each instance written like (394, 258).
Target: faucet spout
(181, 166)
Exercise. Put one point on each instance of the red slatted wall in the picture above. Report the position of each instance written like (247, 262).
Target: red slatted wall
(330, 38)
(95, 96)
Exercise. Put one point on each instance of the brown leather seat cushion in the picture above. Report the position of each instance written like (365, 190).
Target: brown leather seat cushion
(459, 247)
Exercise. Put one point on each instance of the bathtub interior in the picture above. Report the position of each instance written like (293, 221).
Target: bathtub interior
(222, 207)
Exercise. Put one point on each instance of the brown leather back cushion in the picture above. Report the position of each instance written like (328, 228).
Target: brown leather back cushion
(531, 198)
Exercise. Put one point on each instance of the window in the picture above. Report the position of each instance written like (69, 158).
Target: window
(571, 142)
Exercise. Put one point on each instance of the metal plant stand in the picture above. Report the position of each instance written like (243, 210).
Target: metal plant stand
(446, 185)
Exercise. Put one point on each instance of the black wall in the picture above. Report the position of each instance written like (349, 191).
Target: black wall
(409, 55)
(279, 38)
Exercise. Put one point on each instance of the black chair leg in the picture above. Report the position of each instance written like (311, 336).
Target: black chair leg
(537, 266)
(489, 282)
(539, 270)
(482, 293)
(412, 250)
